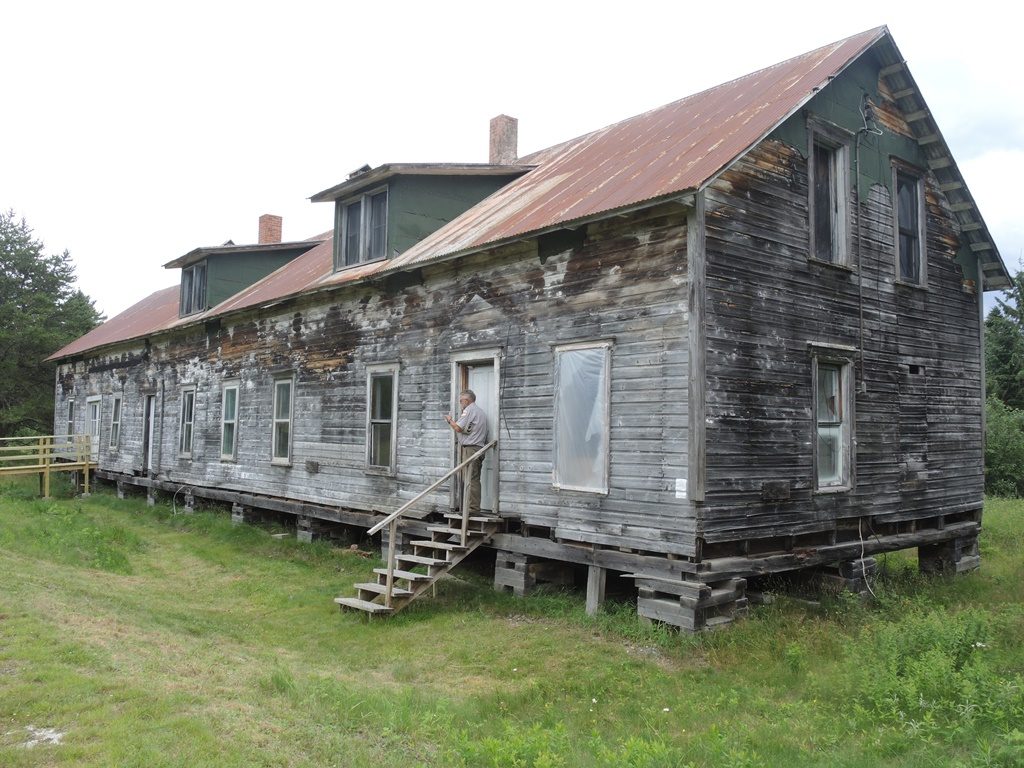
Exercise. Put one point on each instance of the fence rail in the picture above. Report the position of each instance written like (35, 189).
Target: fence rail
(44, 455)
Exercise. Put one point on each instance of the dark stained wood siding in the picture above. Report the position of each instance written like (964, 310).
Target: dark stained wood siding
(626, 282)
(918, 435)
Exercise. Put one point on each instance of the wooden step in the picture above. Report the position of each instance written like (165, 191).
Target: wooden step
(438, 545)
(455, 531)
(380, 589)
(473, 518)
(421, 560)
(407, 575)
(362, 605)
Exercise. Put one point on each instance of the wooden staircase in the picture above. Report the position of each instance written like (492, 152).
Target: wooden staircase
(418, 569)
(423, 562)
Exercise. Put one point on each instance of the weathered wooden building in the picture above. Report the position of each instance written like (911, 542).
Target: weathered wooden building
(734, 335)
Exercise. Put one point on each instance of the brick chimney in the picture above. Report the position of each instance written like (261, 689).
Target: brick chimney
(504, 140)
(270, 229)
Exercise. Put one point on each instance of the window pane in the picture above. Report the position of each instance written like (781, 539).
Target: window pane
(186, 439)
(830, 459)
(380, 397)
(186, 291)
(199, 288)
(117, 411)
(829, 404)
(378, 225)
(282, 400)
(230, 399)
(824, 202)
(281, 430)
(227, 440)
(907, 223)
(581, 428)
(353, 214)
(380, 445)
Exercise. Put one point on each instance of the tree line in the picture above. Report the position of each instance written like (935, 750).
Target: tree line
(41, 310)
(1004, 384)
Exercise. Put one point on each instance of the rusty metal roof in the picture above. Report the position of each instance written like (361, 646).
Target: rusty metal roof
(668, 152)
(154, 313)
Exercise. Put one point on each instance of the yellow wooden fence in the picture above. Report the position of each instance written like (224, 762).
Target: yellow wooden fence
(46, 454)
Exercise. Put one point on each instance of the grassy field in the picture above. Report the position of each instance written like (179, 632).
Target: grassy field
(143, 638)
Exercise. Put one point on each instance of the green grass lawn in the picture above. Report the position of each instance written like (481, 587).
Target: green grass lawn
(150, 639)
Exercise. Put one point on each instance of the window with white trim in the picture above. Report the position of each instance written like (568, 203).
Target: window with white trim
(228, 421)
(908, 211)
(381, 416)
(582, 410)
(833, 433)
(115, 422)
(187, 421)
(281, 450)
(361, 229)
(829, 185)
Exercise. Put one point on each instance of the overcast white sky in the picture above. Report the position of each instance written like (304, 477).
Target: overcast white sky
(135, 132)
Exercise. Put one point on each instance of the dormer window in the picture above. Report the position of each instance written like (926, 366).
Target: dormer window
(193, 289)
(361, 229)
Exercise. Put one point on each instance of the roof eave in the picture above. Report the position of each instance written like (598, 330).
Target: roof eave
(384, 172)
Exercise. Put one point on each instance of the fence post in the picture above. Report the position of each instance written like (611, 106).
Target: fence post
(46, 448)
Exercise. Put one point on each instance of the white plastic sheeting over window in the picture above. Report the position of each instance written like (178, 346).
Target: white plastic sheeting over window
(582, 418)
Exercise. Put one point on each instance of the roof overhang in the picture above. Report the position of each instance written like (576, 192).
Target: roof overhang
(199, 254)
(360, 181)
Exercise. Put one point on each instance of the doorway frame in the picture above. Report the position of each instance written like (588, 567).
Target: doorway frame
(459, 362)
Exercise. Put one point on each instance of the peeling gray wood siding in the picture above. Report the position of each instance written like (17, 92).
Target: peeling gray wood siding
(918, 435)
(627, 281)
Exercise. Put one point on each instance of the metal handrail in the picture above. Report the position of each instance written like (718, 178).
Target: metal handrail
(392, 520)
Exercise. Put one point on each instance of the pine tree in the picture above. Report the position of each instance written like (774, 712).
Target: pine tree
(40, 312)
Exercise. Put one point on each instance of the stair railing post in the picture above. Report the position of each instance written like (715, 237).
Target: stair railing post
(467, 473)
(389, 584)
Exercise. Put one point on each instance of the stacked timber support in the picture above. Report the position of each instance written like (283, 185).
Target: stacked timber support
(512, 573)
(691, 605)
(959, 555)
(241, 514)
(309, 528)
(519, 574)
(848, 575)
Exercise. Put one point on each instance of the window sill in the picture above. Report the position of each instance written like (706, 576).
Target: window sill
(581, 491)
(286, 463)
(228, 460)
(832, 265)
(915, 286)
(346, 267)
(380, 471)
(830, 489)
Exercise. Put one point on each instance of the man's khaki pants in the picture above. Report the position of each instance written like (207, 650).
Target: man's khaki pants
(471, 474)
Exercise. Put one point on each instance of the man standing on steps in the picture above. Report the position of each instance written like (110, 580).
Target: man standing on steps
(471, 432)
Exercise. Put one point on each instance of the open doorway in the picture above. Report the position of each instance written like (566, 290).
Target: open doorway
(480, 372)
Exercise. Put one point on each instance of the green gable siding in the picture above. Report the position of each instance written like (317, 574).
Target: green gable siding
(229, 273)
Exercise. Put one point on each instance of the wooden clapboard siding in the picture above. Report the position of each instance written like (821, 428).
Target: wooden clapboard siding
(918, 449)
(626, 282)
